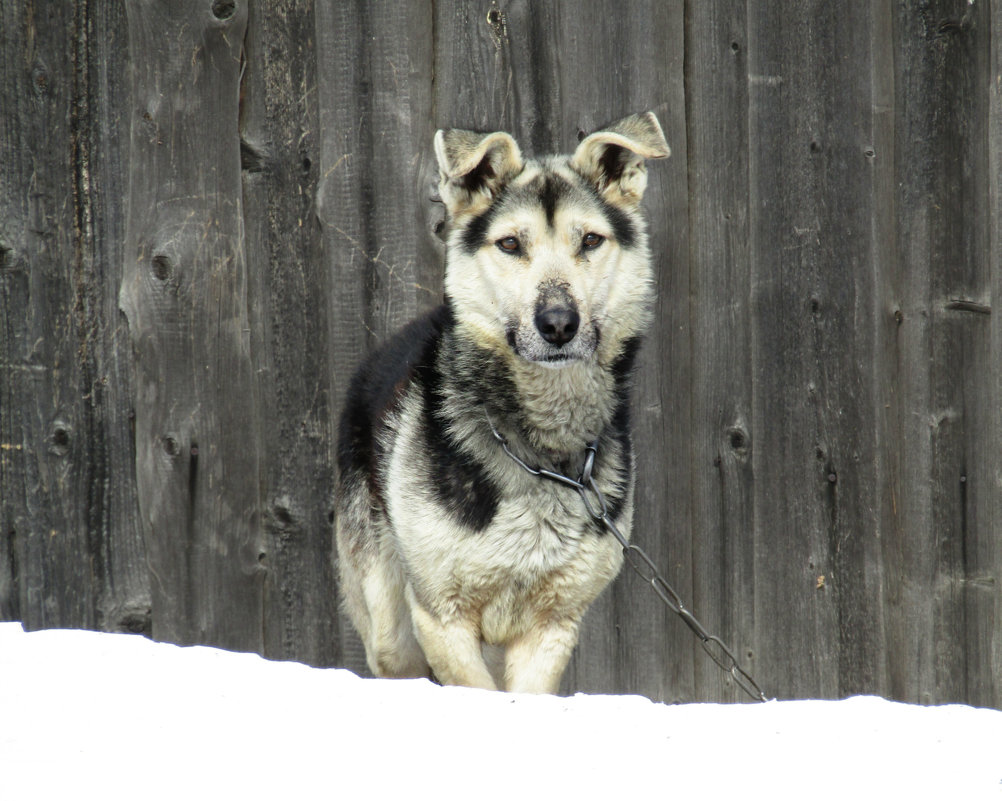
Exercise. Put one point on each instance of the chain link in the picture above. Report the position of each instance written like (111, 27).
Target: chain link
(642, 564)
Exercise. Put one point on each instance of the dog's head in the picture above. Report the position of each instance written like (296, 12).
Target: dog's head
(549, 257)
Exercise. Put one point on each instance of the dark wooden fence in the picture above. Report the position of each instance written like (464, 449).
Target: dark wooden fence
(211, 210)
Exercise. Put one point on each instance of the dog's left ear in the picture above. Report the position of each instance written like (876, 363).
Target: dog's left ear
(613, 158)
(474, 167)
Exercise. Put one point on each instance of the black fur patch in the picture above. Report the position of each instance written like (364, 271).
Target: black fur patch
(612, 163)
(552, 190)
(375, 390)
(413, 355)
(622, 368)
(476, 179)
(620, 425)
(474, 235)
(623, 228)
(458, 480)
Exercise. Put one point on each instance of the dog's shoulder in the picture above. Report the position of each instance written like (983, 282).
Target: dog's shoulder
(379, 383)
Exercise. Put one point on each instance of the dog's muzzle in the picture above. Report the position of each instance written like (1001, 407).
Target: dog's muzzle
(557, 319)
(554, 334)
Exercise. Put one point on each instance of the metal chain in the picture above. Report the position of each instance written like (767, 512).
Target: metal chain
(642, 564)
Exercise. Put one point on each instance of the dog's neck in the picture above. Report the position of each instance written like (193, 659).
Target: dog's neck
(564, 408)
(547, 412)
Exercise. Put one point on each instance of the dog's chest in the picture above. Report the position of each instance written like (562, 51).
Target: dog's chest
(541, 557)
(536, 533)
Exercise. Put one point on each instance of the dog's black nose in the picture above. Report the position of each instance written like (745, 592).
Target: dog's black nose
(558, 324)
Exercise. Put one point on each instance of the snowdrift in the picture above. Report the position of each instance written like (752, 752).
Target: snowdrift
(84, 714)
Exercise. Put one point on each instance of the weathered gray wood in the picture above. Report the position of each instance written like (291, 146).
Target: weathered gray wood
(45, 425)
(70, 553)
(818, 408)
(185, 294)
(886, 320)
(909, 547)
(723, 523)
(112, 501)
(938, 608)
(986, 685)
(288, 302)
(811, 304)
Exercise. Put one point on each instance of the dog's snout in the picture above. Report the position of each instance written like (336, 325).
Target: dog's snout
(558, 324)
(557, 318)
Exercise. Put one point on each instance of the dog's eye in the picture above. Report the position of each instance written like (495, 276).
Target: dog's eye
(590, 241)
(509, 244)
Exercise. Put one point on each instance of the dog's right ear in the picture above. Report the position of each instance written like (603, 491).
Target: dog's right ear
(613, 159)
(473, 168)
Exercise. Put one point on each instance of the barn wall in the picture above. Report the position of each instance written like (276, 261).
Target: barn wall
(71, 553)
(210, 211)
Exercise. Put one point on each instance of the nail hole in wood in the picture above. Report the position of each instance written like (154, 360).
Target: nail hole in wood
(224, 9)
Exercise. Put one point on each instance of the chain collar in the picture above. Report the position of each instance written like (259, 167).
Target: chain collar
(642, 564)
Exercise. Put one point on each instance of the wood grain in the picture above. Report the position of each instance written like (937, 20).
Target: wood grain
(185, 294)
(211, 212)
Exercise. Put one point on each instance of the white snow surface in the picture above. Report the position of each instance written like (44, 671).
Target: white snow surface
(90, 715)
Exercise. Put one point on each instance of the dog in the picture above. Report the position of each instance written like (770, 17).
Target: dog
(455, 562)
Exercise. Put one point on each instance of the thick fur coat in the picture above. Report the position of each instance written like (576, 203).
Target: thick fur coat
(454, 561)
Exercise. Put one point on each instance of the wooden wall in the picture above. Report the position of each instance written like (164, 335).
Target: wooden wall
(211, 210)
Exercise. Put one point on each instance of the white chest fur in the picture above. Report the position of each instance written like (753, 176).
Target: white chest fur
(539, 557)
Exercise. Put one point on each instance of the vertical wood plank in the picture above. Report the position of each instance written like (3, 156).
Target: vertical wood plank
(185, 294)
(70, 553)
(724, 496)
(113, 510)
(374, 78)
(44, 431)
(811, 312)
(474, 81)
(962, 360)
(943, 408)
(987, 581)
(288, 301)
(886, 322)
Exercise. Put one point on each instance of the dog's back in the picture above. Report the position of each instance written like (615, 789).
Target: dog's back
(374, 392)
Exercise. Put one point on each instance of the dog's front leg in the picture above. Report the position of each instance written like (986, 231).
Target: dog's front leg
(535, 662)
(452, 648)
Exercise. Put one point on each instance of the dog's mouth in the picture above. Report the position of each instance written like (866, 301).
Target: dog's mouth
(556, 359)
(526, 343)
(534, 351)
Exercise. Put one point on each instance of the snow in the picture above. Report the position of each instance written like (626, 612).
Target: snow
(84, 714)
